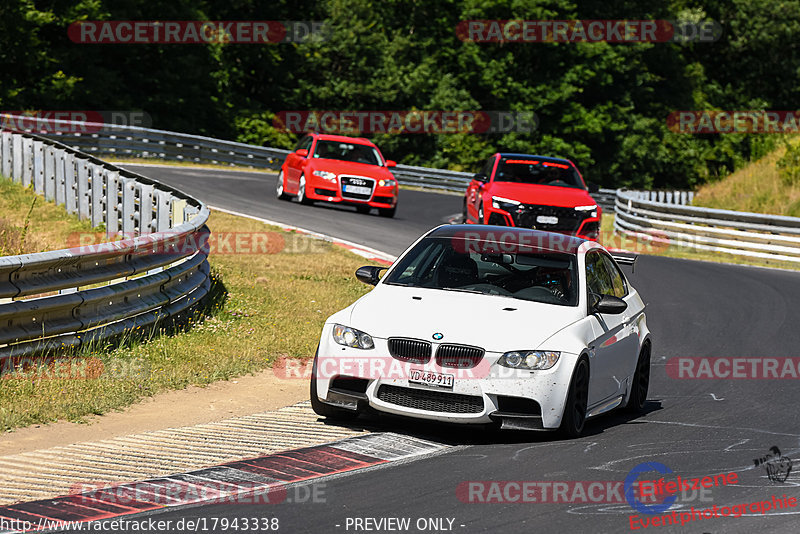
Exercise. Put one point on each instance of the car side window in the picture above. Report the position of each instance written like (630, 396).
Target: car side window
(487, 168)
(305, 142)
(598, 279)
(617, 279)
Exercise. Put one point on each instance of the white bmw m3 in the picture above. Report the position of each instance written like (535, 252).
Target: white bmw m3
(484, 324)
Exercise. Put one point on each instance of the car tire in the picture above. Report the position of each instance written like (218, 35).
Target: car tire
(464, 216)
(322, 409)
(641, 382)
(574, 418)
(279, 191)
(480, 214)
(361, 208)
(387, 212)
(301, 192)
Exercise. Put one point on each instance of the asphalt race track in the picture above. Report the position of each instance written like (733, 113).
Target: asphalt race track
(254, 194)
(694, 427)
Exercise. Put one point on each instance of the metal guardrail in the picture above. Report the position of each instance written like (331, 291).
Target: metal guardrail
(157, 271)
(134, 141)
(671, 222)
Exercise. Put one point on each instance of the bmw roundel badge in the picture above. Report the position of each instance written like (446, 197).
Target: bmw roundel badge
(437, 336)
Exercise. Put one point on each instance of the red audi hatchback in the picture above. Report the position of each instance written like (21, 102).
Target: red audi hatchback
(532, 192)
(334, 168)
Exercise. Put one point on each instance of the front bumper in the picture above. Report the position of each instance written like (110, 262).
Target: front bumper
(332, 191)
(570, 221)
(517, 399)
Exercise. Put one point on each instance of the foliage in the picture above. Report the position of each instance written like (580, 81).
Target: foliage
(603, 105)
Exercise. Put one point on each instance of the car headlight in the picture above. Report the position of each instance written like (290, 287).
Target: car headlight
(592, 208)
(325, 175)
(387, 183)
(529, 359)
(350, 337)
(506, 204)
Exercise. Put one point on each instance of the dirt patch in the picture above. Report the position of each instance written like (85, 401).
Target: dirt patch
(194, 405)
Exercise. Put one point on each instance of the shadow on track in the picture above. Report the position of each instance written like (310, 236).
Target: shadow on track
(458, 434)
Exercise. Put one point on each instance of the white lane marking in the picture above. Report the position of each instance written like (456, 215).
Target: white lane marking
(729, 447)
(715, 397)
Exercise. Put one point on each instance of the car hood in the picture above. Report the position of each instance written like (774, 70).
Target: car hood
(550, 195)
(350, 167)
(498, 324)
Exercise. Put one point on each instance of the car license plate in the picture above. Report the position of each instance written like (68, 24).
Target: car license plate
(418, 376)
(547, 219)
(357, 190)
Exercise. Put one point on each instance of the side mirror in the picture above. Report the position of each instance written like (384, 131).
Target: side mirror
(369, 274)
(302, 152)
(391, 163)
(610, 304)
(593, 188)
(480, 177)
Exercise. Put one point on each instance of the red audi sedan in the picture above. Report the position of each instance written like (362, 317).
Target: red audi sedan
(537, 192)
(335, 168)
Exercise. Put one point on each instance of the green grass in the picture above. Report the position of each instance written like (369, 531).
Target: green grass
(758, 187)
(276, 305)
(29, 224)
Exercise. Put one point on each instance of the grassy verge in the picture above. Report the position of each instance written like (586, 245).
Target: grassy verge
(758, 187)
(276, 305)
(29, 224)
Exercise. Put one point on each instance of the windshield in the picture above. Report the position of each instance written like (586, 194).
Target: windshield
(534, 171)
(488, 267)
(347, 152)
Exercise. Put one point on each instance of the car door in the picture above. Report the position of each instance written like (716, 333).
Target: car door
(610, 347)
(295, 163)
(629, 338)
(473, 194)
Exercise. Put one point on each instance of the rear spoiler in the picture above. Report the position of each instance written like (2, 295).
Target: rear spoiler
(626, 260)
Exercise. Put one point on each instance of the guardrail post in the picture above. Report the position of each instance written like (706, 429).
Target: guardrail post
(6, 153)
(146, 209)
(38, 167)
(112, 203)
(70, 198)
(163, 211)
(49, 173)
(82, 165)
(28, 161)
(17, 159)
(58, 179)
(178, 207)
(128, 207)
(96, 174)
